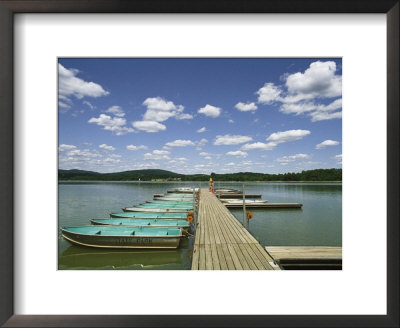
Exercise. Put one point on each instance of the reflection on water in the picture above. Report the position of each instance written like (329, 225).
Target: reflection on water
(317, 223)
(81, 257)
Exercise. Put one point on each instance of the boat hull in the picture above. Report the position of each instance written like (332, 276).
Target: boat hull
(157, 210)
(101, 241)
(149, 215)
(142, 223)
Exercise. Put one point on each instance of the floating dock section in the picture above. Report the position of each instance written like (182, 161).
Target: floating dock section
(306, 257)
(222, 243)
(265, 205)
(237, 195)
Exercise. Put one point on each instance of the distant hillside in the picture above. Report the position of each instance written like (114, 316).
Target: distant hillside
(148, 175)
(73, 174)
(144, 175)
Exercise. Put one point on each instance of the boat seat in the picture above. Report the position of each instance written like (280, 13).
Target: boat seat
(98, 233)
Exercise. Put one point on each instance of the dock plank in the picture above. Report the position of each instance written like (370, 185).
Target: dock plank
(221, 241)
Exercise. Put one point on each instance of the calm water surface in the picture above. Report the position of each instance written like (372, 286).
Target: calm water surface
(318, 223)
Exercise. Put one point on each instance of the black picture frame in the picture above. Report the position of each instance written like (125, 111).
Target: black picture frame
(10, 7)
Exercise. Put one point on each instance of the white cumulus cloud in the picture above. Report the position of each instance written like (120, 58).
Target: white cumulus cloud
(149, 126)
(246, 107)
(302, 90)
(157, 155)
(64, 147)
(323, 116)
(231, 140)
(69, 85)
(116, 110)
(268, 94)
(326, 143)
(210, 111)
(259, 146)
(238, 153)
(106, 147)
(286, 136)
(319, 80)
(133, 147)
(184, 116)
(116, 124)
(338, 158)
(160, 110)
(202, 142)
(180, 143)
(203, 129)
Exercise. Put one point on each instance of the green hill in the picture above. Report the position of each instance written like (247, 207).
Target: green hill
(144, 175)
(153, 174)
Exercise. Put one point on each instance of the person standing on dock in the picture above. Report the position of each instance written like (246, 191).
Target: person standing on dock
(211, 185)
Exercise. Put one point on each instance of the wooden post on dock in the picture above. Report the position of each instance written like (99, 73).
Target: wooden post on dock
(194, 205)
(245, 221)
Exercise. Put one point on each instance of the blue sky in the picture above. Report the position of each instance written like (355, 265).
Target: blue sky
(200, 115)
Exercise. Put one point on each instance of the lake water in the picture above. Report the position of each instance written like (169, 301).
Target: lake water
(318, 223)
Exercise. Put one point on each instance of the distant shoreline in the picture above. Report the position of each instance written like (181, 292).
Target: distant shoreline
(185, 182)
(154, 175)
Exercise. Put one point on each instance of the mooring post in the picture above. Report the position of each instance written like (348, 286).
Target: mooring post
(245, 221)
(194, 204)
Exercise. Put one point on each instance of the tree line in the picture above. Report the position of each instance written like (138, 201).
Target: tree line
(152, 174)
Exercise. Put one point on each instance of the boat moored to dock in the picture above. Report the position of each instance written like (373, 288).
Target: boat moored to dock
(149, 215)
(158, 223)
(157, 209)
(183, 190)
(123, 237)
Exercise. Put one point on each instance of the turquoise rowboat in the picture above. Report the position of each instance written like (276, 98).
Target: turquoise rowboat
(158, 209)
(158, 199)
(169, 202)
(176, 196)
(184, 224)
(165, 205)
(149, 215)
(123, 236)
(184, 190)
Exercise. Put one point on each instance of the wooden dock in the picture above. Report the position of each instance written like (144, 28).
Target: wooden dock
(265, 205)
(306, 257)
(222, 243)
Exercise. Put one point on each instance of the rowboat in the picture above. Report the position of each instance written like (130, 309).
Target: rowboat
(123, 237)
(227, 190)
(149, 215)
(181, 196)
(184, 224)
(247, 201)
(169, 202)
(164, 199)
(147, 205)
(183, 190)
(158, 209)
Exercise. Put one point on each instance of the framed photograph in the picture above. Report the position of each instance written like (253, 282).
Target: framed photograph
(172, 111)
